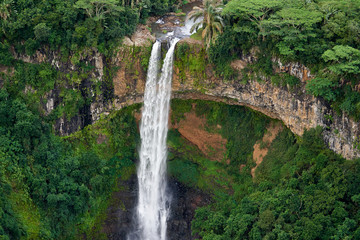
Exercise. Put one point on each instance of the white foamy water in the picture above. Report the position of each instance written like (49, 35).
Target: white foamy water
(186, 29)
(153, 202)
(160, 21)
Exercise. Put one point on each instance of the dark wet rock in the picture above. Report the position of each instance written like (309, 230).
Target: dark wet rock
(120, 214)
(185, 202)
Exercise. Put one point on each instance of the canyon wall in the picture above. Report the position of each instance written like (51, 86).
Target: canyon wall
(294, 107)
(196, 79)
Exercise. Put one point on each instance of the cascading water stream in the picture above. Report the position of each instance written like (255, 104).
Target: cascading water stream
(153, 201)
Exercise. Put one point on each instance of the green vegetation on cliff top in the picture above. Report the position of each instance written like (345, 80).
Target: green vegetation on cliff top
(323, 35)
(70, 25)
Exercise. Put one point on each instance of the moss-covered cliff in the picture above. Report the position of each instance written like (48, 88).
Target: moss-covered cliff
(89, 84)
(281, 96)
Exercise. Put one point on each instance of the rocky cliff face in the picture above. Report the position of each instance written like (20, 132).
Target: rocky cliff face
(297, 110)
(93, 83)
(69, 65)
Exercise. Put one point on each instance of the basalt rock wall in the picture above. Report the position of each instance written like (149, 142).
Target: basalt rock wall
(194, 78)
(294, 107)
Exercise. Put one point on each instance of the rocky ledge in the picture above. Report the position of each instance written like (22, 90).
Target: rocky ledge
(295, 108)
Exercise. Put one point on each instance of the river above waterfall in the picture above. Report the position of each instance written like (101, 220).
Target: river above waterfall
(175, 24)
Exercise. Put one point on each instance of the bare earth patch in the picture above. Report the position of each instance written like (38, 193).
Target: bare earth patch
(192, 128)
(238, 64)
(259, 153)
(211, 144)
(101, 139)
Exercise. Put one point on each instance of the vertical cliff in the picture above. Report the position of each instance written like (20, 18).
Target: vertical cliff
(118, 80)
(194, 78)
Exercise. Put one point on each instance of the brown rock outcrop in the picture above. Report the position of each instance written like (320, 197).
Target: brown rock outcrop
(298, 110)
(142, 37)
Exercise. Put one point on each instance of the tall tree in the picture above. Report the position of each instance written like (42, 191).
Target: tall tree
(254, 11)
(293, 27)
(344, 61)
(98, 9)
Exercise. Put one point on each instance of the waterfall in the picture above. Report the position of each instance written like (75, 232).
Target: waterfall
(153, 202)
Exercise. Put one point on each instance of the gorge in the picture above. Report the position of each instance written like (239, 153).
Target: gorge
(260, 135)
(296, 109)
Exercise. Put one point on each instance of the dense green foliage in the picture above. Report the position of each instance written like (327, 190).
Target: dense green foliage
(302, 190)
(240, 126)
(297, 30)
(323, 35)
(48, 185)
(72, 24)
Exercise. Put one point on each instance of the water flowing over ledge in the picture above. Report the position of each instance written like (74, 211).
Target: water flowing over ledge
(153, 199)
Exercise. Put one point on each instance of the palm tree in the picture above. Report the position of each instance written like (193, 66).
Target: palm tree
(212, 23)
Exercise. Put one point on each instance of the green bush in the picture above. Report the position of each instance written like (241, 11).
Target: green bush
(60, 181)
(322, 87)
(184, 171)
(351, 103)
(5, 56)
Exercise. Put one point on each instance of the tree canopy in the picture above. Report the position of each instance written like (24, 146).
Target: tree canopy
(323, 35)
(73, 24)
(52, 180)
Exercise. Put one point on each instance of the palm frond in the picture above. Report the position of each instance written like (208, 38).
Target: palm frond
(212, 23)
(205, 32)
(220, 20)
(194, 14)
(218, 27)
(196, 26)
